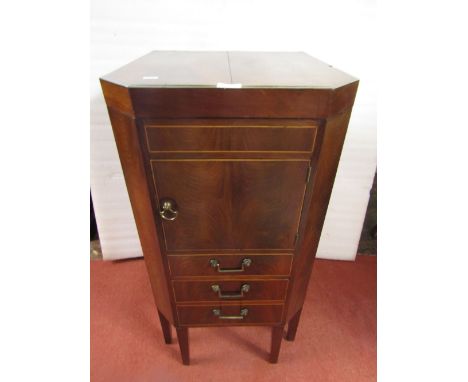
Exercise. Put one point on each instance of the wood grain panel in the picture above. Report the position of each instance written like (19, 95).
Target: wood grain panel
(342, 98)
(199, 265)
(316, 208)
(132, 162)
(202, 290)
(180, 138)
(231, 204)
(231, 103)
(117, 97)
(279, 155)
(203, 315)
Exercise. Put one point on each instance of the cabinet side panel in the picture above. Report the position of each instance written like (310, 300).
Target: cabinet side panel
(117, 97)
(343, 98)
(315, 209)
(126, 137)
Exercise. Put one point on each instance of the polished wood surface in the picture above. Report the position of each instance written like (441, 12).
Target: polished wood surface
(183, 339)
(284, 70)
(292, 326)
(223, 137)
(276, 338)
(131, 158)
(231, 204)
(166, 328)
(186, 291)
(211, 69)
(117, 99)
(244, 174)
(199, 265)
(240, 103)
(316, 204)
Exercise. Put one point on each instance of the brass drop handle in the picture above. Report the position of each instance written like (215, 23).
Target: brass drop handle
(243, 313)
(168, 210)
(245, 263)
(217, 289)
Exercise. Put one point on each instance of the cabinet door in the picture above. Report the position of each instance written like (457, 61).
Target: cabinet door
(228, 204)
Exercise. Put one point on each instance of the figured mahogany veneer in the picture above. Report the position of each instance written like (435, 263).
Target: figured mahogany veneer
(231, 204)
(223, 136)
(229, 186)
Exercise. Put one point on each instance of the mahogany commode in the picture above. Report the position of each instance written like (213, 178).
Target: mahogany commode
(229, 160)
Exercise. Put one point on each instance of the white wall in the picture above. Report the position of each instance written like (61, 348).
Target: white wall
(340, 32)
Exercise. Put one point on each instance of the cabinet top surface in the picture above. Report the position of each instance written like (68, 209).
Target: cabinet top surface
(229, 69)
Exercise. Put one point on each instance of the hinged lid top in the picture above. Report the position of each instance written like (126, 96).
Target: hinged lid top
(229, 69)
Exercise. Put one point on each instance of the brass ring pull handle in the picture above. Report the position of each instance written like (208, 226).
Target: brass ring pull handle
(168, 210)
(245, 263)
(244, 289)
(243, 313)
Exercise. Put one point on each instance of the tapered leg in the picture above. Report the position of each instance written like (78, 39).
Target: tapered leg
(276, 337)
(166, 328)
(182, 336)
(292, 326)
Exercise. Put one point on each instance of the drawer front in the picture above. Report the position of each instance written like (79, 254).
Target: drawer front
(232, 265)
(221, 290)
(217, 315)
(287, 136)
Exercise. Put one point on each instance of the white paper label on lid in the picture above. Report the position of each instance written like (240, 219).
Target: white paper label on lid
(150, 77)
(228, 86)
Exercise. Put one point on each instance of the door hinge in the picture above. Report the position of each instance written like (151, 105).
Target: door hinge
(309, 171)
